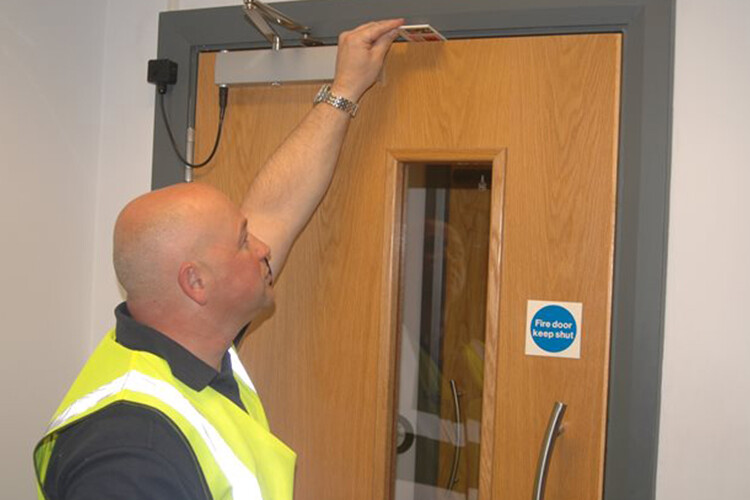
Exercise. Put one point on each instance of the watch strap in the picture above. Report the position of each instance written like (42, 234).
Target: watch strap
(337, 101)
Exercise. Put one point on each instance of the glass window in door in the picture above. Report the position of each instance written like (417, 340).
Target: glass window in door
(443, 288)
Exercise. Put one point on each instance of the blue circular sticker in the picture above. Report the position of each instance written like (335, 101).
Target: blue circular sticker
(553, 328)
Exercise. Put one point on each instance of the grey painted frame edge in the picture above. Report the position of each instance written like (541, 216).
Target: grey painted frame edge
(644, 165)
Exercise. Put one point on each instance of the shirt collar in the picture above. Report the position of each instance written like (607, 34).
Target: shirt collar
(185, 366)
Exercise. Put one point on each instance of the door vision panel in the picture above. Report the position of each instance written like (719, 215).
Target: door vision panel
(543, 112)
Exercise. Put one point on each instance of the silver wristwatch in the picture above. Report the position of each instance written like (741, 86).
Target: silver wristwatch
(338, 102)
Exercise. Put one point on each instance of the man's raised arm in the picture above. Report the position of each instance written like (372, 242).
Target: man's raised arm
(289, 187)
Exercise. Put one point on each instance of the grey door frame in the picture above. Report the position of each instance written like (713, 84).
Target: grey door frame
(643, 178)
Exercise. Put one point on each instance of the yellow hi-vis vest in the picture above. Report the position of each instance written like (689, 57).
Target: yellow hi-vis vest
(239, 457)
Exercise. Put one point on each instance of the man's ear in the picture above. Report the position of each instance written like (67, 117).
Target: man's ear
(191, 282)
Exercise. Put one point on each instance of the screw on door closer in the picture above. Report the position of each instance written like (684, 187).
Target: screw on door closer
(420, 33)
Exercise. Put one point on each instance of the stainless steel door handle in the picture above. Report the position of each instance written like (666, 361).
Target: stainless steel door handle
(545, 454)
(459, 436)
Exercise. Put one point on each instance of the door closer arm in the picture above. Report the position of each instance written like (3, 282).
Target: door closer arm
(261, 15)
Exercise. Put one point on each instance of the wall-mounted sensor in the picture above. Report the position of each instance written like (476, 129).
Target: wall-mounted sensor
(162, 73)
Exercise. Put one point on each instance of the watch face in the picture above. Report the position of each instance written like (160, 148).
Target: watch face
(322, 93)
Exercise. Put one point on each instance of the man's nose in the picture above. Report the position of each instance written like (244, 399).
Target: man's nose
(263, 250)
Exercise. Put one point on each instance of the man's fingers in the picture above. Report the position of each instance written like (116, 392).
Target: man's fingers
(360, 56)
(373, 31)
(381, 46)
(363, 27)
(387, 38)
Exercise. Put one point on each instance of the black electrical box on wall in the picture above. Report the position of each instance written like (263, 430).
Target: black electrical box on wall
(162, 72)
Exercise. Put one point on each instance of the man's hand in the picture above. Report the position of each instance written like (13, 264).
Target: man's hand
(360, 56)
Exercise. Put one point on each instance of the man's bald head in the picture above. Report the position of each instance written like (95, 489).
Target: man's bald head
(158, 231)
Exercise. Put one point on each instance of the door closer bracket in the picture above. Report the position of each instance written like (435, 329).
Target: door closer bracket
(260, 14)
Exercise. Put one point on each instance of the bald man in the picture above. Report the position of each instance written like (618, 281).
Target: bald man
(164, 408)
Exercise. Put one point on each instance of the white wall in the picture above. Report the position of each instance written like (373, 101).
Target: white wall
(127, 125)
(704, 448)
(50, 102)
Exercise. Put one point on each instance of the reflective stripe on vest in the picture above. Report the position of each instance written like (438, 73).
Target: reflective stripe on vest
(239, 369)
(243, 482)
